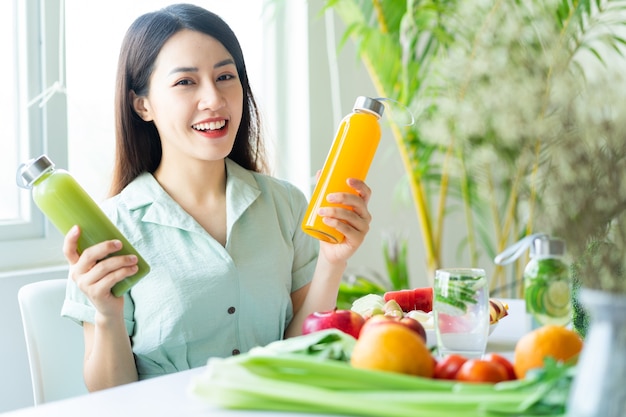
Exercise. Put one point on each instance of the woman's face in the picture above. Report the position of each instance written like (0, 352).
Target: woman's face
(195, 98)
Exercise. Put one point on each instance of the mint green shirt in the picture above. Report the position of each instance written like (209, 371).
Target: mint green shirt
(201, 299)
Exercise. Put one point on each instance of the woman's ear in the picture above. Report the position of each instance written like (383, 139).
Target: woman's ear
(141, 106)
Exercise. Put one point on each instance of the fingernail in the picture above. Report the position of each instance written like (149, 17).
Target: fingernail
(117, 244)
(132, 258)
(331, 197)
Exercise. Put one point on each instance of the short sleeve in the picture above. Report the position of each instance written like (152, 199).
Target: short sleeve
(306, 247)
(78, 308)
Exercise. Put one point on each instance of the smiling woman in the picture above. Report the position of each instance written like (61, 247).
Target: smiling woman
(89, 109)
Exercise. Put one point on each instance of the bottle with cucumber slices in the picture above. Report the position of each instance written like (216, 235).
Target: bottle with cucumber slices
(547, 284)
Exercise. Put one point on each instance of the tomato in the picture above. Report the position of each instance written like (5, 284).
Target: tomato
(508, 366)
(449, 366)
(479, 370)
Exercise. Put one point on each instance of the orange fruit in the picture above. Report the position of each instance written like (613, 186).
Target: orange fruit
(553, 341)
(392, 347)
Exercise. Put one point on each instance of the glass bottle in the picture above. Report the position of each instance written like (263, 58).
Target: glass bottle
(65, 203)
(350, 156)
(547, 283)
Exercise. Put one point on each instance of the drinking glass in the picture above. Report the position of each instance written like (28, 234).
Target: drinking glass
(461, 311)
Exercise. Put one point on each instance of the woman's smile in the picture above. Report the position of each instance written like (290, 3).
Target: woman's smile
(212, 129)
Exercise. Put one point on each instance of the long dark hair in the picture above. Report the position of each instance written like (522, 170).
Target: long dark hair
(138, 145)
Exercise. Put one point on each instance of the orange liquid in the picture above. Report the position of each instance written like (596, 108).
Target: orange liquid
(350, 156)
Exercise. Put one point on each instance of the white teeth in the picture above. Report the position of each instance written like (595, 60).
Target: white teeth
(210, 126)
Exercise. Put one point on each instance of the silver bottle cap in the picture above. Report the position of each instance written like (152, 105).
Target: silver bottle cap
(543, 247)
(369, 105)
(31, 170)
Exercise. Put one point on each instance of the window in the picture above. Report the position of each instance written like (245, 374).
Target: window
(9, 204)
(30, 40)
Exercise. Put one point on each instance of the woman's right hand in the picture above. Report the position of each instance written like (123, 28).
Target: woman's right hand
(95, 272)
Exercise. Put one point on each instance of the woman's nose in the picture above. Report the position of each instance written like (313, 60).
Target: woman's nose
(211, 98)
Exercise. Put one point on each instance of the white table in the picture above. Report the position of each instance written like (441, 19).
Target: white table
(168, 395)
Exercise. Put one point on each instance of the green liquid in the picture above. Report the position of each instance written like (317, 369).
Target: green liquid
(66, 204)
(547, 291)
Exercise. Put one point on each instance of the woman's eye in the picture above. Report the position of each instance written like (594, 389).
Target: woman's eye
(226, 77)
(183, 82)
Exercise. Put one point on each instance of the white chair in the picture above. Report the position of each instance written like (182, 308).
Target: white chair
(54, 343)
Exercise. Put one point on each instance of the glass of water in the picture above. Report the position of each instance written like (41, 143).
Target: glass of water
(461, 311)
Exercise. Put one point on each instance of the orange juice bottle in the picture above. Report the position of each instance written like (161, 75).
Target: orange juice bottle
(350, 156)
(66, 203)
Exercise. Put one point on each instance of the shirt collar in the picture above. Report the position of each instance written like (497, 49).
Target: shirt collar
(145, 192)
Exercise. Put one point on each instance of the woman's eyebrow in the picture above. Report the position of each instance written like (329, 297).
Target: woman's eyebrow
(183, 69)
(223, 63)
(227, 61)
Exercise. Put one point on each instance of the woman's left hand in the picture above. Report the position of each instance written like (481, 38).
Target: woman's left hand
(353, 222)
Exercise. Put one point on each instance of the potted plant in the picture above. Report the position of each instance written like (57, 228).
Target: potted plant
(481, 77)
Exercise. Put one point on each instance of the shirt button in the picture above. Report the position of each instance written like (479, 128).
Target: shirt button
(231, 310)
(236, 352)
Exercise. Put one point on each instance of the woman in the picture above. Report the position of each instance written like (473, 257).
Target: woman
(230, 267)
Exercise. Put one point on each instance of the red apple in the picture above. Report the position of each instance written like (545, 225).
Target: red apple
(347, 321)
(409, 322)
(414, 325)
(377, 319)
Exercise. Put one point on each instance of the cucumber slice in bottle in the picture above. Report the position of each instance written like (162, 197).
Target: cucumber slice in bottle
(548, 299)
(557, 298)
(558, 293)
(534, 295)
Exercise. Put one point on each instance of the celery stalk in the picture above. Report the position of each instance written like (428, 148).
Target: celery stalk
(230, 385)
(292, 375)
(306, 384)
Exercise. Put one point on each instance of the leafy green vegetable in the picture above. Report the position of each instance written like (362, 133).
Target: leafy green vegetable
(324, 344)
(277, 379)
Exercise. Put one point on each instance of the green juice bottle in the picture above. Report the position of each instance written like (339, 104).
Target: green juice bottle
(65, 203)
